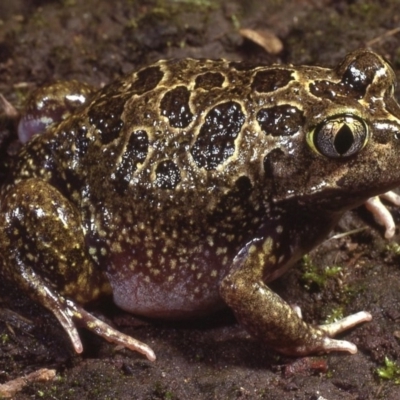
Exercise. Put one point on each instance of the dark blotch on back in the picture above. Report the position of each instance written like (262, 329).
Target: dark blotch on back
(147, 79)
(72, 145)
(270, 80)
(81, 141)
(329, 90)
(243, 187)
(105, 115)
(209, 80)
(175, 106)
(281, 120)
(167, 175)
(216, 140)
(134, 154)
(243, 65)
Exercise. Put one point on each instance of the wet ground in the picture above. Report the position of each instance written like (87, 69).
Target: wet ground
(95, 41)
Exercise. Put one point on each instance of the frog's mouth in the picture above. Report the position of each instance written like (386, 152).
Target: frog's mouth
(331, 200)
(339, 196)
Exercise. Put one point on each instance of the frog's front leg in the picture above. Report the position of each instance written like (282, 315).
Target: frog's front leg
(269, 318)
(42, 245)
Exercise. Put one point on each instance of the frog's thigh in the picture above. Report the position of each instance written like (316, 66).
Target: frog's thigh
(44, 234)
(43, 249)
(268, 317)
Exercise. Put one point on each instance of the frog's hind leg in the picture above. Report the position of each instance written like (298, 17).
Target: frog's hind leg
(42, 245)
(268, 317)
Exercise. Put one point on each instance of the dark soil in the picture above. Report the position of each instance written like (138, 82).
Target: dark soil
(213, 358)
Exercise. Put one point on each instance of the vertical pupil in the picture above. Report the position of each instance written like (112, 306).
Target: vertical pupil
(343, 140)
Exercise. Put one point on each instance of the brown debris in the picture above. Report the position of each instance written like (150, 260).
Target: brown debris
(9, 389)
(264, 38)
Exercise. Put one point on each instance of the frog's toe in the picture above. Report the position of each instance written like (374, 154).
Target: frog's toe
(318, 344)
(59, 306)
(381, 213)
(320, 340)
(100, 328)
(334, 328)
(329, 345)
(70, 315)
(346, 323)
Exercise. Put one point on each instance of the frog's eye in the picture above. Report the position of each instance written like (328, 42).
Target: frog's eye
(339, 136)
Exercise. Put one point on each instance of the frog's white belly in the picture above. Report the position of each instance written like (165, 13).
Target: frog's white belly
(173, 299)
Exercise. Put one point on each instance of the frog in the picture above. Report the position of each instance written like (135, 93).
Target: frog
(188, 185)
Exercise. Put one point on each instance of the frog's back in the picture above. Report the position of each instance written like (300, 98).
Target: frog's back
(179, 126)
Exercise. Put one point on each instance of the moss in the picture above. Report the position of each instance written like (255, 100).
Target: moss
(393, 248)
(390, 371)
(314, 275)
(335, 315)
(160, 392)
(4, 338)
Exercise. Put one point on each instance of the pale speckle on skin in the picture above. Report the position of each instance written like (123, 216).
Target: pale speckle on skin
(116, 247)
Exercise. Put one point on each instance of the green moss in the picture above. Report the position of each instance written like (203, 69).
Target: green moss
(235, 21)
(393, 248)
(350, 292)
(390, 371)
(160, 392)
(313, 274)
(335, 315)
(4, 338)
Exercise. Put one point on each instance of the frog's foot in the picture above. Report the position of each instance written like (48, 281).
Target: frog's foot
(75, 313)
(339, 326)
(323, 342)
(317, 340)
(70, 315)
(381, 214)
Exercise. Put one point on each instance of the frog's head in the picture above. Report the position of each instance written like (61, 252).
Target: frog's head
(349, 149)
